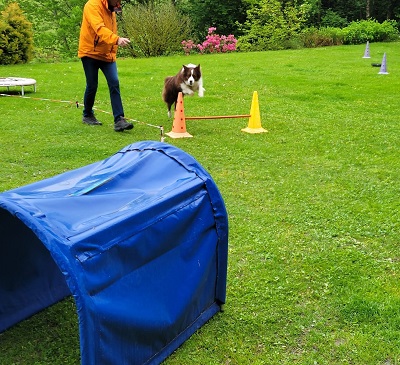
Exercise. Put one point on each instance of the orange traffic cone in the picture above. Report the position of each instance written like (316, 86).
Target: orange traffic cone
(254, 125)
(179, 123)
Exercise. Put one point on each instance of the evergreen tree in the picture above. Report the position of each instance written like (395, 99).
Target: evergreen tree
(16, 38)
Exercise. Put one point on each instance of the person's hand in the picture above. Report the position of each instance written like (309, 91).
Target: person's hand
(123, 41)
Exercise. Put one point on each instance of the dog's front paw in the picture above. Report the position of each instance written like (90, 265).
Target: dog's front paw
(169, 113)
(201, 92)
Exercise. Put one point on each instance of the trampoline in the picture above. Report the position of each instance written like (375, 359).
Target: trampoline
(17, 82)
(139, 239)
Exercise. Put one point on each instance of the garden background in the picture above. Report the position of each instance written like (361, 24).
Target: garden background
(313, 272)
(313, 203)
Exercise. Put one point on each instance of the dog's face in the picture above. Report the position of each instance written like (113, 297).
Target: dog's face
(191, 74)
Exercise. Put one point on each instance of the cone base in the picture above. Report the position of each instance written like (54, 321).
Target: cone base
(179, 135)
(254, 130)
(383, 73)
(366, 57)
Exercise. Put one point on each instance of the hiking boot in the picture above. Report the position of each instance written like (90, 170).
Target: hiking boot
(91, 120)
(121, 124)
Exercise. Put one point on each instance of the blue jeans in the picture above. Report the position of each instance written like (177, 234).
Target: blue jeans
(91, 67)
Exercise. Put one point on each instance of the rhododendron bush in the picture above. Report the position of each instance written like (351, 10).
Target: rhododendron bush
(214, 43)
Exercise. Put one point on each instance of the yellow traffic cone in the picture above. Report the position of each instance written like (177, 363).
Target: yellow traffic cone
(254, 125)
(179, 123)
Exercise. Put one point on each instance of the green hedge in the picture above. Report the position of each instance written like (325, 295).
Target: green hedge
(370, 30)
(355, 33)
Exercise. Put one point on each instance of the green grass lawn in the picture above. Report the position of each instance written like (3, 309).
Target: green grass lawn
(313, 204)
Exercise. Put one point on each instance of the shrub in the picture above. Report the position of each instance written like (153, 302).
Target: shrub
(16, 39)
(328, 36)
(217, 43)
(189, 46)
(370, 30)
(214, 43)
(154, 30)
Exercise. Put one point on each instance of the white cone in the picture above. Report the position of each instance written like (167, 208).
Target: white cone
(383, 70)
(366, 53)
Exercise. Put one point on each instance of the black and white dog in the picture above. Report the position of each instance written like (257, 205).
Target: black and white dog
(188, 81)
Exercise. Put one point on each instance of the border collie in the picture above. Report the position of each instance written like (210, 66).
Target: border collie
(188, 80)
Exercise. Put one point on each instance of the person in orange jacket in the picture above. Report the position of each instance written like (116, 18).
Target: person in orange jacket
(98, 44)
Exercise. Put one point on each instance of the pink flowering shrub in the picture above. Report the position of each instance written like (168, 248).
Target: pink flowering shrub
(214, 43)
(188, 46)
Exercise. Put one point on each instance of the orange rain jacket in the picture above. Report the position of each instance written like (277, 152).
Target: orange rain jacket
(98, 37)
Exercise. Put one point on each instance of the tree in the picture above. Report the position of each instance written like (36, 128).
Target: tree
(16, 40)
(56, 25)
(270, 25)
(385, 9)
(354, 10)
(346, 11)
(225, 15)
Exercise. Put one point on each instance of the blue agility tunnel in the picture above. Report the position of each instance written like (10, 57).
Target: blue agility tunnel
(139, 239)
